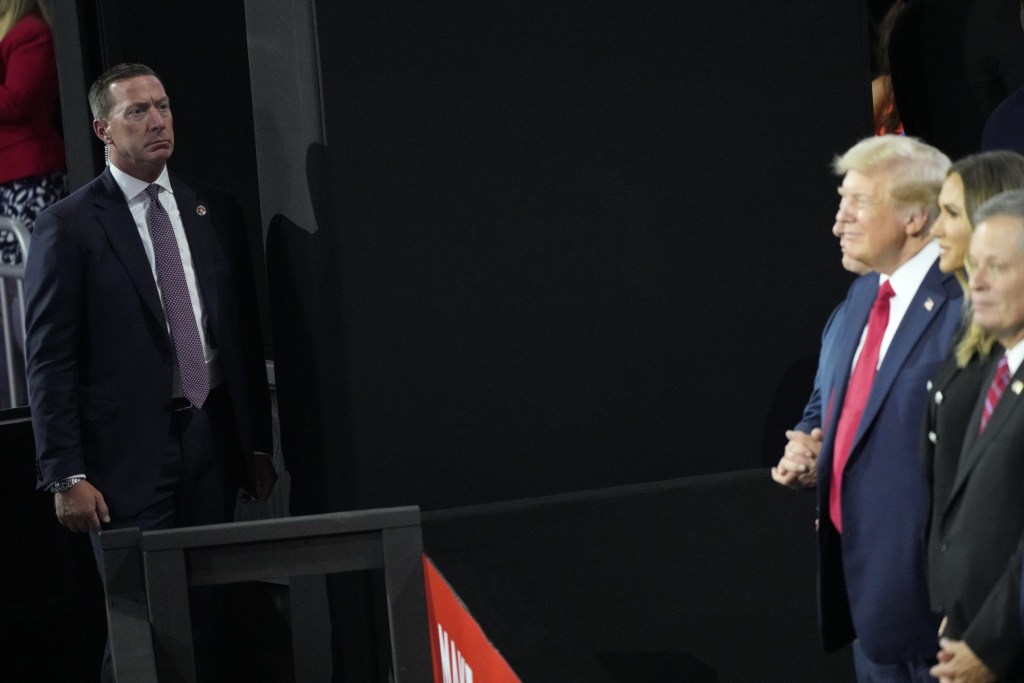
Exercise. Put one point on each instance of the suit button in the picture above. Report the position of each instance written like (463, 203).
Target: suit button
(933, 437)
(938, 398)
(943, 547)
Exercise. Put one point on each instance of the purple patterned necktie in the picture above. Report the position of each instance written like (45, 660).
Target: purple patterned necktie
(170, 276)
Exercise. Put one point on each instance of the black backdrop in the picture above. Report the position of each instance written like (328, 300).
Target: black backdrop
(560, 245)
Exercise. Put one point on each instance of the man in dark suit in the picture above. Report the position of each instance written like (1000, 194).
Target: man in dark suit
(146, 377)
(895, 331)
(974, 551)
(109, 412)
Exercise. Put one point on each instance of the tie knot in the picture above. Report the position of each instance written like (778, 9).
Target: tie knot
(152, 191)
(1004, 367)
(885, 291)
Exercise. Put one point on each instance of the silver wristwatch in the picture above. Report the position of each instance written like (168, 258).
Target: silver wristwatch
(64, 484)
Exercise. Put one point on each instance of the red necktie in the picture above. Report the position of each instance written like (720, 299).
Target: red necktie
(857, 391)
(995, 390)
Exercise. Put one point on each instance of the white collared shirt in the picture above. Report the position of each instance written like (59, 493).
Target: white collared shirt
(138, 203)
(1015, 356)
(905, 282)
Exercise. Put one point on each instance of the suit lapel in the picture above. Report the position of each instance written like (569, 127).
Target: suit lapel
(123, 236)
(847, 341)
(975, 444)
(927, 304)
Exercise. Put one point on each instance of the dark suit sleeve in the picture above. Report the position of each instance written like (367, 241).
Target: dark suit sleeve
(813, 411)
(995, 633)
(54, 291)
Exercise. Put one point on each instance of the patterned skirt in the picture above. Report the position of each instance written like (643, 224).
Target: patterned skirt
(22, 200)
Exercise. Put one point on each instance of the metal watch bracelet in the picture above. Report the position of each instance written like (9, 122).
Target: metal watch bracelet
(64, 484)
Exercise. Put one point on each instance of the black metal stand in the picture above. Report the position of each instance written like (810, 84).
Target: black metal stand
(148, 574)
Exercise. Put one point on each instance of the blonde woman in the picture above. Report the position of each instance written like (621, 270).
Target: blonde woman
(955, 390)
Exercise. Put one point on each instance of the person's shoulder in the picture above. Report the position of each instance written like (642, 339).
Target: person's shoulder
(30, 27)
(201, 190)
(76, 203)
(864, 285)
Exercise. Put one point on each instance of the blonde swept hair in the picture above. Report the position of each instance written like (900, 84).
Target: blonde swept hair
(13, 11)
(916, 170)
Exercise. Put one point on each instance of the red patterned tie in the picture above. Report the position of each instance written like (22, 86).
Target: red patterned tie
(170, 276)
(857, 391)
(995, 390)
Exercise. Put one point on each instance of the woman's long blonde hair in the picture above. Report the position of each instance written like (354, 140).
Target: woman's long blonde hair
(13, 11)
(984, 175)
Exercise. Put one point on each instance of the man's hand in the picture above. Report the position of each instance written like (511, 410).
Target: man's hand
(959, 664)
(81, 507)
(264, 476)
(798, 466)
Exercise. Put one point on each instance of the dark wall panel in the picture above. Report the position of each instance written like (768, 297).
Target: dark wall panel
(572, 244)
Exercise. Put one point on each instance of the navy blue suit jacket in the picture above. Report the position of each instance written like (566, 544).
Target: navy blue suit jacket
(99, 353)
(872, 580)
(811, 418)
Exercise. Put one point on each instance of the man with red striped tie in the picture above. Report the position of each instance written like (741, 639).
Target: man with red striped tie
(974, 553)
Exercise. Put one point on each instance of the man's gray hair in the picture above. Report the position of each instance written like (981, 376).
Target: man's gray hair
(1009, 203)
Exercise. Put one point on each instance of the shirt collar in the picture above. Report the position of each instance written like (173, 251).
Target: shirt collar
(1015, 356)
(132, 187)
(906, 279)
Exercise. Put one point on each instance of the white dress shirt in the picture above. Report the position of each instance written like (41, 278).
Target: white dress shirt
(138, 203)
(905, 282)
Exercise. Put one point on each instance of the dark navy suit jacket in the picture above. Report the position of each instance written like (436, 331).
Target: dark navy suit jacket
(99, 354)
(811, 418)
(871, 581)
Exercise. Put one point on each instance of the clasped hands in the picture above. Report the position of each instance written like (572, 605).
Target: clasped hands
(798, 466)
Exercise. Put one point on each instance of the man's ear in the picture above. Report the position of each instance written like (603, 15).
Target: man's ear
(918, 222)
(99, 126)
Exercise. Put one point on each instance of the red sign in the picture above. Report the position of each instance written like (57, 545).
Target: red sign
(460, 650)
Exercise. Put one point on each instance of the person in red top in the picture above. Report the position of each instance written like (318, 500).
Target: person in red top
(32, 162)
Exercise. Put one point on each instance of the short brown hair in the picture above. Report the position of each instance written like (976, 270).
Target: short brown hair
(100, 101)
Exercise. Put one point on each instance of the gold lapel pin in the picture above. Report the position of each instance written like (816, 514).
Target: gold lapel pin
(1017, 387)
(201, 210)
(929, 304)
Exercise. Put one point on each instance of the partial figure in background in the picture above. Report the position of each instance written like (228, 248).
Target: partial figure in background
(929, 76)
(883, 99)
(32, 162)
(1005, 126)
(994, 52)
